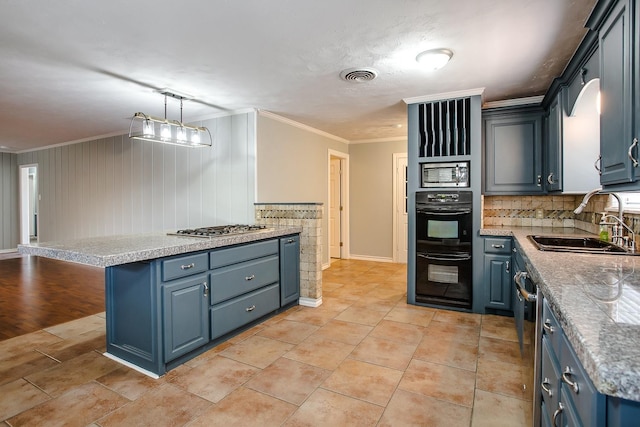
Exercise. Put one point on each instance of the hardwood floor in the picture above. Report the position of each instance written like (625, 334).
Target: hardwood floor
(37, 293)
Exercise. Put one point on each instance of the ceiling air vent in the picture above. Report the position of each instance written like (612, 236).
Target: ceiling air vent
(358, 74)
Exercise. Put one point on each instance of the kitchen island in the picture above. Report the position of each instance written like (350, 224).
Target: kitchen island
(596, 300)
(170, 298)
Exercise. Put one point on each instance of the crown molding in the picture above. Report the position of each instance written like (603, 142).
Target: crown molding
(446, 95)
(374, 140)
(299, 125)
(516, 102)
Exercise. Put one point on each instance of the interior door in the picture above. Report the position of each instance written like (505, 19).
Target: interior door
(400, 208)
(335, 203)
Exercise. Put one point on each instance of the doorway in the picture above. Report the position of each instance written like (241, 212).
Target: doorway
(400, 205)
(338, 198)
(28, 204)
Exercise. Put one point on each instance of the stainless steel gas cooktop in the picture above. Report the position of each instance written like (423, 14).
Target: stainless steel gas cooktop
(219, 230)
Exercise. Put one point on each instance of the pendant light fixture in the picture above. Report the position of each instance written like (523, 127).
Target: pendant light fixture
(155, 129)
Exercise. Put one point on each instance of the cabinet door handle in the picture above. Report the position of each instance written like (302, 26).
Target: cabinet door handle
(546, 387)
(206, 289)
(253, 307)
(507, 266)
(539, 181)
(565, 379)
(598, 163)
(557, 413)
(290, 241)
(550, 179)
(253, 276)
(630, 152)
(187, 266)
(497, 246)
(547, 326)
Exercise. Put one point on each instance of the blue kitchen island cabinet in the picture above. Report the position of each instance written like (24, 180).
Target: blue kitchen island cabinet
(164, 311)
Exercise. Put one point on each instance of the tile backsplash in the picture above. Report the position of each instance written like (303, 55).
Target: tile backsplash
(548, 211)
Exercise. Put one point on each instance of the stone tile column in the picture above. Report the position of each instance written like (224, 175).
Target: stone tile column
(309, 217)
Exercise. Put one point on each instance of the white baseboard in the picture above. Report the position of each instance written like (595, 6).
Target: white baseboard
(371, 258)
(131, 365)
(310, 302)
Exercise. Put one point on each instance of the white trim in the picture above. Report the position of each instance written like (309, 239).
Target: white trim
(344, 214)
(8, 251)
(299, 125)
(371, 258)
(447, 95)
(131, 365)
(327, 265)
(531, 100)
(370, 141)
(396, 217)
(310, 302)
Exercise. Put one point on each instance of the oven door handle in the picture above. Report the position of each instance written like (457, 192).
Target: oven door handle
(445, 258)
(521, 276)
(444, 213)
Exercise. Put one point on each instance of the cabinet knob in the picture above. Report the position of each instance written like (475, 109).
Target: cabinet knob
(547, 326)
(539, 181)
(253, 276)
(253, 307)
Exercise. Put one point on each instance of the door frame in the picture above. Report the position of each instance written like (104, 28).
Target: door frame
(24, 203)
(396, 217)
(344, 214)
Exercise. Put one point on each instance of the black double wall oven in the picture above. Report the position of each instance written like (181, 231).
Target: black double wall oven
(444, 225)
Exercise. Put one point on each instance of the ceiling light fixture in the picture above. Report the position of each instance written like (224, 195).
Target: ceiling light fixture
(434, 59)
(143, 127)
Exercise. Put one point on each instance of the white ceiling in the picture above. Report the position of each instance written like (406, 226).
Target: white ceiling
(78, 69)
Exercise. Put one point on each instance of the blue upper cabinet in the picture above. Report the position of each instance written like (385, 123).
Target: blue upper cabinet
(513, 151)
(553, 180)
(618, 124)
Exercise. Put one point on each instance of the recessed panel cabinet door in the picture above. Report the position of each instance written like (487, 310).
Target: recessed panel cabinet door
(513, 153)
(186, 315)
(616, 98)
(289, 269)
(497, 278)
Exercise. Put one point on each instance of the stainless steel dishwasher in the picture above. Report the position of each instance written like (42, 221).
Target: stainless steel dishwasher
(527, 315)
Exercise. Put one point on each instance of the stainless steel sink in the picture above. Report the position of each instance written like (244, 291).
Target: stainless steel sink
(577, 244)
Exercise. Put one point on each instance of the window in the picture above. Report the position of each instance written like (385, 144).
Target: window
(630, 202)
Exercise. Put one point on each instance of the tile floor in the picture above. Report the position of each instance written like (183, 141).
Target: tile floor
(363, 358)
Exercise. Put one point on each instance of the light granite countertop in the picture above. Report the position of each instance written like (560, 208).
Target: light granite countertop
(596, 299)
(115, 250)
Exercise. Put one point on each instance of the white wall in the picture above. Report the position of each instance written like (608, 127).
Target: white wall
(120, 186)
(9, 207)
(371, 198)
(293, 166)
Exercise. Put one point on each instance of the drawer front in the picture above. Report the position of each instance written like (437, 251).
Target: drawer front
(228, 256)
(183, 266)
(588, 403)
(551, 328)
(238, 279)
(550, 381)
(230, 315)
(497, 246)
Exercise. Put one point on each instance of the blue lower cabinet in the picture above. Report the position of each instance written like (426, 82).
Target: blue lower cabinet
(163, 312)
(185, 312)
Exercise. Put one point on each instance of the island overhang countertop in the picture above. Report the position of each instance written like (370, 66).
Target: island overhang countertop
(108, 251)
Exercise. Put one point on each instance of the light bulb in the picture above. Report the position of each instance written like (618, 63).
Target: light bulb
(165, 131)
(195, 136)
(181, 134)
(148, 129)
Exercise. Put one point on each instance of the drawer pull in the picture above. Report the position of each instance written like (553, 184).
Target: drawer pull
(290, 241)
(206, 289)
(188, 266)
(547, 326)
(545, 386)
(497, 246)
(253, 276)
(557, 413)
(253, 307)
(565, 379)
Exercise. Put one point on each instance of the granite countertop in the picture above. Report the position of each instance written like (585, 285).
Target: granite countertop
(597, 301)
(115, 250)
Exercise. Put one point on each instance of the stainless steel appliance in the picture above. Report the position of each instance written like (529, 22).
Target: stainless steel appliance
(219, 230)
(527, 313)
(443, 175)
(443, 248)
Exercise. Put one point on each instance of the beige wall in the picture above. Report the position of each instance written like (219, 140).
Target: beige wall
(292, 166)
(371, 198)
